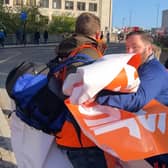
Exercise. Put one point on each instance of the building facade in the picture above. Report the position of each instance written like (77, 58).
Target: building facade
(50, 8)
(165, 19)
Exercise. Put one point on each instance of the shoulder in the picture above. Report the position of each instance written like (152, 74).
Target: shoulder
(153, 68)
(90, 52)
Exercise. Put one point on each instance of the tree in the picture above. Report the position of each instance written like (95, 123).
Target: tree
(10, 18)
(34, 19)
(62, 24)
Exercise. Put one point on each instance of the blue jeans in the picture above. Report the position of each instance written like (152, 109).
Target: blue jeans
(92, 157)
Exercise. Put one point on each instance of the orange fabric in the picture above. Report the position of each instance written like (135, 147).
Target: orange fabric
(62, 73)
(86, 142)
(146, 133)
(67, 137)
(102, 45)
(76, 50)
(121, 78)
(135, 61)
(110, 160)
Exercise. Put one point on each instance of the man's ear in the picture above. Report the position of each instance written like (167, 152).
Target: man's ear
(150, 48)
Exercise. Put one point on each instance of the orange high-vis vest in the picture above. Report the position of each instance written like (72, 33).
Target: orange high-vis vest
(69, 136)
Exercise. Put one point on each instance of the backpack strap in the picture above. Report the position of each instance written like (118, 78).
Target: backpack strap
(81, 47)
(83, 58)
(56, 65)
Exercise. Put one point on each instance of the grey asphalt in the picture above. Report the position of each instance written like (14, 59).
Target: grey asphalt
(12, 55)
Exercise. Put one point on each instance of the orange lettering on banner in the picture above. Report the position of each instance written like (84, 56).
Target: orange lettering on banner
(124, 134)
(135, 61)
(121, 78)
(121, 82)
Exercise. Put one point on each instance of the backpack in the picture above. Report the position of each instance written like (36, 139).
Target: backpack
(37, 92)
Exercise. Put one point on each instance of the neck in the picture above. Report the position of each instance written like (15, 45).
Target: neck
(150, 56)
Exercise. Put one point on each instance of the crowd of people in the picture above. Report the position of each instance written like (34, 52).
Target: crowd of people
(21, 37)
(76, 149)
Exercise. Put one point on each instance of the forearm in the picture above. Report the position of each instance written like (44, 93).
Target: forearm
(130, 102)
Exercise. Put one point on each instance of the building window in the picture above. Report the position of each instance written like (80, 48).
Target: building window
(6, 1)
(31, 2)
(44, 3)
(18, 2)
(93, 7)
(81, 6)
(56, 4)
(69, 5)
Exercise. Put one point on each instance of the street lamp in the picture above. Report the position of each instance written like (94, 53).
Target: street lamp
(157, 15)
(123, 22)
(130, 18)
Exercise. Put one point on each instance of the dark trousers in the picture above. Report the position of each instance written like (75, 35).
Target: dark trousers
(87, 158)
(160, 160)
(2, 42)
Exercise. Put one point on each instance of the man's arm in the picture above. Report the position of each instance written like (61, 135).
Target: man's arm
(152, 77)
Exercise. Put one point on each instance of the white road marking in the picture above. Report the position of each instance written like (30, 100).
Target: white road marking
(9, 58)
(3, 73)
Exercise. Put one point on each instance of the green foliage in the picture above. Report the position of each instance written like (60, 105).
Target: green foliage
(35, 21)
(10, 19)
(62, 24)
(1, 3)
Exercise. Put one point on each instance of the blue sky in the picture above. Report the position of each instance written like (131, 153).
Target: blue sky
(143, 13)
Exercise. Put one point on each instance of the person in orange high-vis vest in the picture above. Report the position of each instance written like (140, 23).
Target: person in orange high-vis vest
(81, 151)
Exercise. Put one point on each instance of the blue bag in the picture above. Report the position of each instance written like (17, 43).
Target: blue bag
(38, 94)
